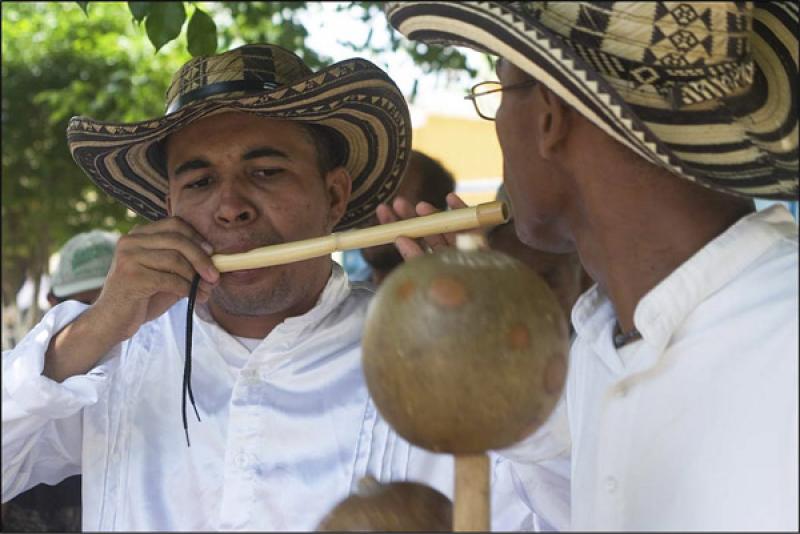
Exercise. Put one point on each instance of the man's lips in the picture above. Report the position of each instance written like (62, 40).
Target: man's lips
(236, 249)
(244, 275)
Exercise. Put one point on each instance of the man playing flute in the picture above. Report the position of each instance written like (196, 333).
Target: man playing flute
(255, 149)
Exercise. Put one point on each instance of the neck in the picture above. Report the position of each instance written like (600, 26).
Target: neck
(629, 244)
(259, 326)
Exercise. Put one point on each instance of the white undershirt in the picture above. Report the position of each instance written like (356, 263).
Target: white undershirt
(248, 342)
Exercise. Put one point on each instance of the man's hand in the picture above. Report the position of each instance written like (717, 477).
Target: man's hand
(153, 268)
(402, 209)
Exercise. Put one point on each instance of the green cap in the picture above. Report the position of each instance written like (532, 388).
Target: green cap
(84, 262)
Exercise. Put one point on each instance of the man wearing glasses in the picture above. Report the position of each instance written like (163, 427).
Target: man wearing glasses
(638, 134)
(486, 96)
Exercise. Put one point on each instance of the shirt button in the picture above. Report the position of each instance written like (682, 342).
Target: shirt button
(241, 460)
(611, 484)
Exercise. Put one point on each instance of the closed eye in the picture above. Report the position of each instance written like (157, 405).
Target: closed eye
(197, 184)
(266, 173)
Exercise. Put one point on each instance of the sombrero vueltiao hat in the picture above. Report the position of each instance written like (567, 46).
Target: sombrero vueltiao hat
(354, 98)
(707, 90)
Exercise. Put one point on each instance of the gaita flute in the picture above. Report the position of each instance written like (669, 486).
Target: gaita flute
(487, 214)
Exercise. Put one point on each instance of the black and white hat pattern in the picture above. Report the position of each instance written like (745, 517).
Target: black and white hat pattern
(354, 98)
(707, 90)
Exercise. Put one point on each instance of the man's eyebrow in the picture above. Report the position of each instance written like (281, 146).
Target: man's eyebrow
(261, 152)
(265, 152)
(191, 165)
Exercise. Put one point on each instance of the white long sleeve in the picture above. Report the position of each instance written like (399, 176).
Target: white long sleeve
(539, 467)
(288, 427)
(42, 419)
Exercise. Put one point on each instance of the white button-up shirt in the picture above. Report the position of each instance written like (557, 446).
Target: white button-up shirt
(287, 430)
(695, 427)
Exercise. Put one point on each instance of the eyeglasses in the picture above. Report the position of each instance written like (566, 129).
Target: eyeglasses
(492, 93)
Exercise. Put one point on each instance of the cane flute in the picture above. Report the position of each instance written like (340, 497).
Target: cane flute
(486, 214)
(489, 213)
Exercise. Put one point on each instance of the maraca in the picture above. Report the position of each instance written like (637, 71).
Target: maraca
(464, 351)
(395, 507)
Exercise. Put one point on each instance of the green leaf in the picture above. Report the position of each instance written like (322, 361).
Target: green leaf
(139, 10)
(201, 35)
(84, 6)
(164, 22)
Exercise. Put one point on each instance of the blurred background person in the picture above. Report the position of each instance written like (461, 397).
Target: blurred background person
(425, 180)
(83, 263)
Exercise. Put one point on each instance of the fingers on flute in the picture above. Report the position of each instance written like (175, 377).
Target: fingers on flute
(385, 214)
(425, 208)
(408, 248)
(176, 234)
(403, 208)
(454, 201)
(439, 241)
(173, 252)
(435, 241)
(204, 291)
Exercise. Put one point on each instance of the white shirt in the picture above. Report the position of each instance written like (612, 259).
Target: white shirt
(695, 427)
(287, 430)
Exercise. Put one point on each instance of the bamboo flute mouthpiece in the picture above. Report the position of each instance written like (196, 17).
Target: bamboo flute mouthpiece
(487, 214)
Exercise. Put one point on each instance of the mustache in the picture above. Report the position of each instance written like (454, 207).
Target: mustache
(243, 243)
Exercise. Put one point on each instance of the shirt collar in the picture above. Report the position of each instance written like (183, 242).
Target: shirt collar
(668, 304)
(662, 310)
(593, 318)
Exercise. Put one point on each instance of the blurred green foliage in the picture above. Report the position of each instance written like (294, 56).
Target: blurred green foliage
(57, 62)
(114, 60)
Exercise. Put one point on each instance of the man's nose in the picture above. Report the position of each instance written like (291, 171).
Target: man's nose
(234, 206)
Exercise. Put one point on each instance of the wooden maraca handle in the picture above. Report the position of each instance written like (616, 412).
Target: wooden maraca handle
(471, 507)
(489, 213)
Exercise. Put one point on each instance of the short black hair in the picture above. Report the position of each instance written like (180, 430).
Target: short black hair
(329, 145)
(437, 181)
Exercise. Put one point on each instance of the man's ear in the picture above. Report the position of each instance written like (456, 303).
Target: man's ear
(553, 122)
(337, 185)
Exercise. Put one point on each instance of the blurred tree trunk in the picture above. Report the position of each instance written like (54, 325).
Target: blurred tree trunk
(38, 268)
(14, 267)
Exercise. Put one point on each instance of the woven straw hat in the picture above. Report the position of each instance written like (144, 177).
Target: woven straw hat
(707, 90)
(354, 98)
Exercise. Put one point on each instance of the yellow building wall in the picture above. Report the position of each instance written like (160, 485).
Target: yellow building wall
(468, 148)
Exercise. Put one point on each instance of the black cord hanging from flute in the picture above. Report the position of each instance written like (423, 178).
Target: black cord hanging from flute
(187, 363)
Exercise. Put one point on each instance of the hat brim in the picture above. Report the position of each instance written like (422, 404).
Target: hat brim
(73, 288)
(748, 147)
(354, 98)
